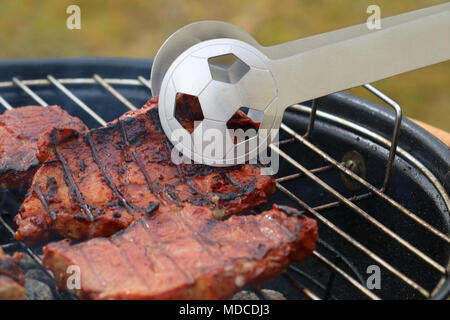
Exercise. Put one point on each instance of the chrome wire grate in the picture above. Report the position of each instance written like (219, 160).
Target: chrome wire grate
(339, 265)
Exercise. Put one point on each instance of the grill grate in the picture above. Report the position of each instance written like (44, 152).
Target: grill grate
(337, 264)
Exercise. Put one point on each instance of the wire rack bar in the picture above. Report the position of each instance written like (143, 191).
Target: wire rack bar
(394, 141)
(342, 258)
(114, 92)
(80, 103)
(312, 117)
(346, 276)
(29, 251)
(301, 288)
(5, 104)
(310, 278)
(335, 204)
(299, 175)
(74, 81)
(260, 294)
(145, 82)
(30, 92)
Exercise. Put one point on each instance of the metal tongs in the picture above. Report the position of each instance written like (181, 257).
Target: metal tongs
(267, 80)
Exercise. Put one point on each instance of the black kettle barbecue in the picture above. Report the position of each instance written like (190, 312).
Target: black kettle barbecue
(376, 183)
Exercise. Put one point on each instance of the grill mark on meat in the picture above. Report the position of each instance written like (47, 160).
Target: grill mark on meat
(51, 185)
(168, 151)
(138, 161)
(241, 190)
(169, 190)
(86, 256)
(111, 204)
(152, 206)
(227, 177)
(209, 226)
(189, 278)
(82, 165)
(141, 167)
(200, 238)
(73, 188)
(80, 216)
(203, 198)
(192, 187)
(138, 135)
(129, 263)
(154, 119)
(285, 230)
(259, 250)
(288, 210)
(37, 189)
(130, 207)
(107, 178)
(180, 173)
(246, 189)
(275, 222)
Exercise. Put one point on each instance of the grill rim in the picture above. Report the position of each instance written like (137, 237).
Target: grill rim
(108, 67)
(409, 129)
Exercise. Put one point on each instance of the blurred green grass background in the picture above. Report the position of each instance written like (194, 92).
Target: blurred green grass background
(136, 28)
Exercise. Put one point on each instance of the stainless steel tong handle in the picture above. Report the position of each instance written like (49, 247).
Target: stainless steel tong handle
(338, 60)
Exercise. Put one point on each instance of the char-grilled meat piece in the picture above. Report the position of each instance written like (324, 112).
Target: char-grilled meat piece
(12, 279)
(185, 255)
(20, 130)
(98, 182)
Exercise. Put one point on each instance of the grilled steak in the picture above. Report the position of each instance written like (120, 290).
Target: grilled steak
(98, 182)
(20, 130)
(12, 280)
(185, 255)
